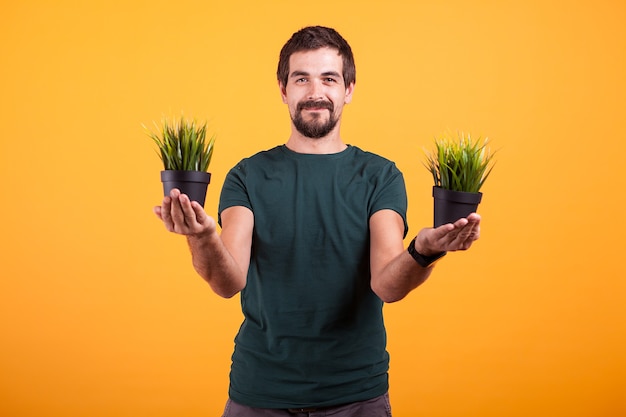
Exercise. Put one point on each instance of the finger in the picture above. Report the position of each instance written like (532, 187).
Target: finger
(441, 232)
(176, 211)
(189, 213)
(199, 212)
(465, 226)
(472, 230)
(469, 232)
(461, 223)
(466, 237)
(445, 234)
(474, 217)
(166, 213)
(157, 211)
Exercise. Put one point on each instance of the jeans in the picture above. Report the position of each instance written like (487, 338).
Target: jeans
(376, 407)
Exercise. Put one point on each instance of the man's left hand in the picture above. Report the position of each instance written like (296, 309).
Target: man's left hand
(449, 237)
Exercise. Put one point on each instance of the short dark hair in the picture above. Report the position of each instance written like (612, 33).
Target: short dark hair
(312, 38)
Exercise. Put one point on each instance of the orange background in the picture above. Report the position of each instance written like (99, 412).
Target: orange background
(101, 313)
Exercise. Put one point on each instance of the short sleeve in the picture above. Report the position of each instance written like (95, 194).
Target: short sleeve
(234, 192)
(391, 194)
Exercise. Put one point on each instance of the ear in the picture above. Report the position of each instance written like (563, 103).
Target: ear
(349, 92)
(283, 91)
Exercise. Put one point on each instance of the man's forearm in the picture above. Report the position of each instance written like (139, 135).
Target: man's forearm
(214, 263)
(401, 276)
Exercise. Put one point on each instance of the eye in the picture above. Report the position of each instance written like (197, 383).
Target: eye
(331, 80)
(301, 80)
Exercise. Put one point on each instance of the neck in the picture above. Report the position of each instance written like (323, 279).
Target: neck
(328, 144)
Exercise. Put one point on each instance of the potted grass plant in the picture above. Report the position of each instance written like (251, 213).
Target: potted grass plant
(459, 166)
(186, 154)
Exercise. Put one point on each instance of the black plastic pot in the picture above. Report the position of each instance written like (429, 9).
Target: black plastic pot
(192, 183)
(450, 206)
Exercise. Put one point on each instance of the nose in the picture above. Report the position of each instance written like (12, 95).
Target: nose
(315, 90)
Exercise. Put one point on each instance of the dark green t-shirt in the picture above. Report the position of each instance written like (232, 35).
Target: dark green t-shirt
(313, 332)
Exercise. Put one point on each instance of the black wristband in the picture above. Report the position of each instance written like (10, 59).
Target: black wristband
(423, 260)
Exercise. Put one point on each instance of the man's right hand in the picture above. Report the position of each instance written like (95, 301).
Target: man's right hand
(183, 216)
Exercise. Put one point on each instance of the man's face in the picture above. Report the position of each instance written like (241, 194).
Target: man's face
(315, 92)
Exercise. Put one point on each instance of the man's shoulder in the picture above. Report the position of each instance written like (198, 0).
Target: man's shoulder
(260, 158)
(265, 154)
(371, 157)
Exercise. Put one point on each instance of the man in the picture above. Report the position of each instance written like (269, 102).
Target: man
(312, 237)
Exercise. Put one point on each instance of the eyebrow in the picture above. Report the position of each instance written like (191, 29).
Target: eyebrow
(306, 74)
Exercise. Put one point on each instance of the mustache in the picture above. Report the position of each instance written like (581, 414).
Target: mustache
(313, 104)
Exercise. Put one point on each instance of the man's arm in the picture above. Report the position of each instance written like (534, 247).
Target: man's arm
(394, 271)
(221, 260)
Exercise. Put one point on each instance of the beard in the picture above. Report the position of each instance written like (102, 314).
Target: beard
(315, 128)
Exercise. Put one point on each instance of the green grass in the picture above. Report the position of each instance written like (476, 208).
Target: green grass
(182, 145)
(460, 163)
